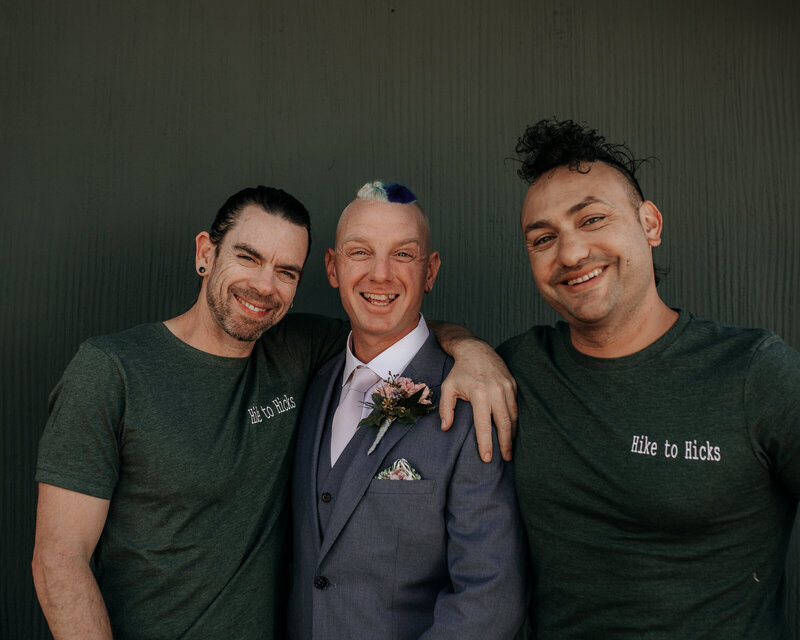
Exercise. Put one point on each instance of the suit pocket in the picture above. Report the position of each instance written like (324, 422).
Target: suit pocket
(402, 486)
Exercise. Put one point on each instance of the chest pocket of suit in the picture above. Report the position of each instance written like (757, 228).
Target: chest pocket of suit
(406, 487)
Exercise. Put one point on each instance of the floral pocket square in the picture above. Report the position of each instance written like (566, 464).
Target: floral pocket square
(400, 470)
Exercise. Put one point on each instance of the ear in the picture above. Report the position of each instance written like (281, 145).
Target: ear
(330, 268)
(652, 222)
(434, 262)
(204, 251)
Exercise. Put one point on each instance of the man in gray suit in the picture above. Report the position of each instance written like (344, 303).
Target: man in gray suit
(418, 539)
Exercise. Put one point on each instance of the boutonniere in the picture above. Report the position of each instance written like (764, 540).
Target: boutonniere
(399, 399)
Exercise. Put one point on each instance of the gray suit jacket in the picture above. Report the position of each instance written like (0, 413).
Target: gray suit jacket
(441, 557)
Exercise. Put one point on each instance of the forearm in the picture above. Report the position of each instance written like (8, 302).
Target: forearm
(452, 336)
(70, 598)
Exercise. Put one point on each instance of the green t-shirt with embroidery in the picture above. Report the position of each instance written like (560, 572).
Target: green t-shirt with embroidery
(658, 490)
(193, 451)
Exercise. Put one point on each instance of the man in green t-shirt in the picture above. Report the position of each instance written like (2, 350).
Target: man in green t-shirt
(163, 469)
(657, 463)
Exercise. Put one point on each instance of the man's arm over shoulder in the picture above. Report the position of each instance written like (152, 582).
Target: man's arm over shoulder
(68, 525)
(486, 550)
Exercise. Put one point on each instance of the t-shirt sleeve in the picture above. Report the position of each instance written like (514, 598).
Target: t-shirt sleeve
(313, 339)
(79, 449)
(772, 406)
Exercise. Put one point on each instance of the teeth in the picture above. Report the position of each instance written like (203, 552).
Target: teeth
(250, 306)
(381, 299)
(588, 276)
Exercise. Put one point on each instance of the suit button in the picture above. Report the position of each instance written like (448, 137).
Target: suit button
(326, 497)
(321, 582)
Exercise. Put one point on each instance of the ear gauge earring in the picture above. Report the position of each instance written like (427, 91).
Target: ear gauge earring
(201, 270)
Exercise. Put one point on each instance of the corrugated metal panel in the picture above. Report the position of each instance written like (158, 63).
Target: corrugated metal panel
(124, 125)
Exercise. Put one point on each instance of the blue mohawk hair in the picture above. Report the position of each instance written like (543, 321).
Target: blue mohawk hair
(394, 193)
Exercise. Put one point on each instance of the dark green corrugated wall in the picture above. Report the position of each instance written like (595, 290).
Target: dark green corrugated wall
(124, 125)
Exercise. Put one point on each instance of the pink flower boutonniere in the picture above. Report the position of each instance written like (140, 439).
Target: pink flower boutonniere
(399, 399)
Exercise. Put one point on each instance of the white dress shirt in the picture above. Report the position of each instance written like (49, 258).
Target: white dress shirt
(394, 359)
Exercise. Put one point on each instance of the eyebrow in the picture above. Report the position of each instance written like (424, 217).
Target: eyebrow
(575, 208)
(248, 249)
(583, 204)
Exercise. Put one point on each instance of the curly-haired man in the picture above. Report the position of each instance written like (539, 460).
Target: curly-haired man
(658, 454)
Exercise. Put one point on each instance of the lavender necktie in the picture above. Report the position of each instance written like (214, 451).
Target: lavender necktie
(348, 413)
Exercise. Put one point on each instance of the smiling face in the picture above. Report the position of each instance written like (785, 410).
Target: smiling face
(590, 246)
(252, 274)
(382, 266)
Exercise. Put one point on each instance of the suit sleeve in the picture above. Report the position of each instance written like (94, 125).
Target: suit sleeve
(486, 552)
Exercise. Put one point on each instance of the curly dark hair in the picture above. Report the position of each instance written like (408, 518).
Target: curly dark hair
(552, 143)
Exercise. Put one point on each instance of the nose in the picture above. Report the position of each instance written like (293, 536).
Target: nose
(263, 281)
(381, 270)
(572, 248)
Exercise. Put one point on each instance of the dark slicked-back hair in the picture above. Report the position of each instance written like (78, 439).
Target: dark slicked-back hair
(274, 201)
(549, 144)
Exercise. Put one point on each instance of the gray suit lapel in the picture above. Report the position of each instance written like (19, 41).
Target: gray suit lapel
(427, 366)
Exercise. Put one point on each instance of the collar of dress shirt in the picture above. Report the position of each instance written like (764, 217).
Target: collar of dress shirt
(394, 359)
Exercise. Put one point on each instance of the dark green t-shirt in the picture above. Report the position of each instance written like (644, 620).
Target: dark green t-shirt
(658, 490)
(193, 451)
